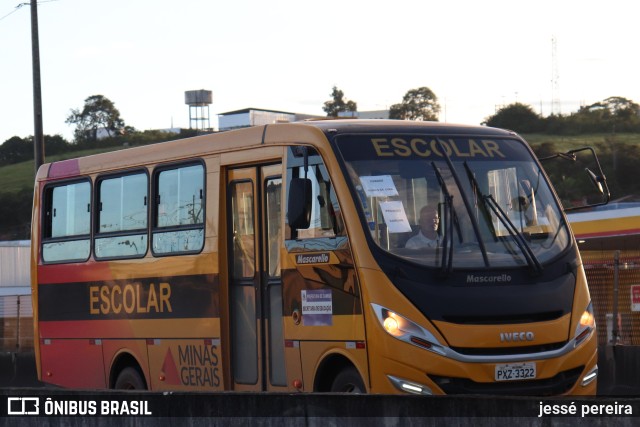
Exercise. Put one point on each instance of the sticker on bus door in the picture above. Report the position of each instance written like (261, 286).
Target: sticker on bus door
(317, 307)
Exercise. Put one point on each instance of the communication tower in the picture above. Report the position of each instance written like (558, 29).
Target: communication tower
(555, 78)
(198, 102)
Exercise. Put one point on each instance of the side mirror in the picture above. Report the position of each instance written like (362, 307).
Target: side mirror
(597, 180)
(299, 203)
(578, 179)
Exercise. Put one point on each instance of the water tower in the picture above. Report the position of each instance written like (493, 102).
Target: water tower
(198, 102)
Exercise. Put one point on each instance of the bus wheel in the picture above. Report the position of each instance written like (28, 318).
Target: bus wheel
(348, 381)
(129, 379)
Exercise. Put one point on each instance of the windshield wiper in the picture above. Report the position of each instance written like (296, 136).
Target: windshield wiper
(518, 237)
(474, 222)
(477, 194)
(447, 247)
(489, 201)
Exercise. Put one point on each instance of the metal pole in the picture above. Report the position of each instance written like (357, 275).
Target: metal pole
(616, 269)
(38, 135)
(18, 326)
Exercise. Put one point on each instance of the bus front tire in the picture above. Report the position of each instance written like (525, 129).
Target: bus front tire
(348, 381)
(129, 379)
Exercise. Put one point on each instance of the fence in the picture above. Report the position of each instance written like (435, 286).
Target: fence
(614, 283)
(16, 323)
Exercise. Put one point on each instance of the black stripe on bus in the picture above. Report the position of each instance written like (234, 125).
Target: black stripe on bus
(194, 296)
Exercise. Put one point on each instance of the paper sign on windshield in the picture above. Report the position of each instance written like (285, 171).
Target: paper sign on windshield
(378, 186)
(395, 217)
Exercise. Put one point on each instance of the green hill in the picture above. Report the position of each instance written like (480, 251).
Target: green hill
(20, 176)
(565, 143)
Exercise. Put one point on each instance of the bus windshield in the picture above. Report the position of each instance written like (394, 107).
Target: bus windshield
(455, 202)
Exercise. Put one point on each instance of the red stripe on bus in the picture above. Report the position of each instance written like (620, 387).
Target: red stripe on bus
(64, 169)
(87, 329)
(90, 271)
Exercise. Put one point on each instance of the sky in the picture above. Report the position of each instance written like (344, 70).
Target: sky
(288, 54)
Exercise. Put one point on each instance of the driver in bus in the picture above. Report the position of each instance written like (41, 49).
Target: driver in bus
(427, 236)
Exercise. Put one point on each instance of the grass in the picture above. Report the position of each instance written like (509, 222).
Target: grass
(20, 176)
(565, 143)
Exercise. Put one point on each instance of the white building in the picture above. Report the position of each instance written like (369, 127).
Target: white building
(252, 117)
(374, 114)
(257, 117)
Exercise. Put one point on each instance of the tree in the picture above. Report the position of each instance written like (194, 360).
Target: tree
(98, 113)
(617, 106)
(15, 150)
(417, 104)
(517, 117)
(56, 144)
(15, 213)
(614, 114)
(338, 104)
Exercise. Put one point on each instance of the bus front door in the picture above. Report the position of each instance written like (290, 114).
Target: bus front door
(254, 212)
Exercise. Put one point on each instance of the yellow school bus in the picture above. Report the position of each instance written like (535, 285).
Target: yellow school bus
(278, 258)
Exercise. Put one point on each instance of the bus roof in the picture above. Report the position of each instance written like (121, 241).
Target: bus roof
(247, 138)
(406, 126)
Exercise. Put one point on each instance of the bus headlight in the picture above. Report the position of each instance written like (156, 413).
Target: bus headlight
(586, 325)
(590, 377)
(409, 386)
(405, 330)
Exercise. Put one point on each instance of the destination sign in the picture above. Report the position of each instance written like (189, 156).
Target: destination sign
(369, 147)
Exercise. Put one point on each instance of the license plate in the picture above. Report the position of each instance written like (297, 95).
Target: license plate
(515, 371)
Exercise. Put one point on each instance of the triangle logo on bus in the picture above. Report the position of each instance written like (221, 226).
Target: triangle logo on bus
(169, 369)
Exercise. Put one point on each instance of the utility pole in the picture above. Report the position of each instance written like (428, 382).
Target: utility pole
(38, 135)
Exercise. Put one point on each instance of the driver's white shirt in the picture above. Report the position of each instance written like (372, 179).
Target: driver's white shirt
(420, 241)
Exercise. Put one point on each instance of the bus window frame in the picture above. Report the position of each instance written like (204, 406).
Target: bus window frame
(291, 238)
(267, 251)
(155, 193)
(95, 234)
(47, 201)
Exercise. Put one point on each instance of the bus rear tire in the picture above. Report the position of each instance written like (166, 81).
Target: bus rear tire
(130, 379)
(348, 381)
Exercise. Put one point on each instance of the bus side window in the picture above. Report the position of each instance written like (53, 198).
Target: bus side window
(326, 218)
(244, 253)
(179, 210)
(121, 225)
(273, 192)
(66, 231)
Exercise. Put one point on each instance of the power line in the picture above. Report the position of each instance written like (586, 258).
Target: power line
(14, 10)
(24, 4)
